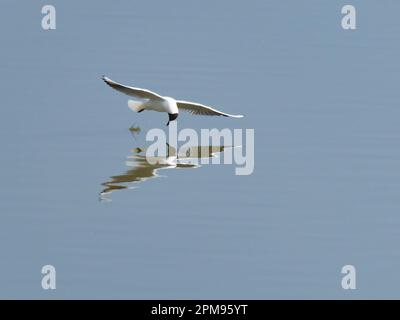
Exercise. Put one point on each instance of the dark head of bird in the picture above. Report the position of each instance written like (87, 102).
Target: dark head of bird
(172, 117)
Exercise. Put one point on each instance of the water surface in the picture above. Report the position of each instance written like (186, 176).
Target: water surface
(324, 104)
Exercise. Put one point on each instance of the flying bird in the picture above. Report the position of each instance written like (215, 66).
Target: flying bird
(153, 101)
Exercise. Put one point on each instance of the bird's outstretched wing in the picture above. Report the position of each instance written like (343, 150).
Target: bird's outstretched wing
(200, 109)
(131, 91)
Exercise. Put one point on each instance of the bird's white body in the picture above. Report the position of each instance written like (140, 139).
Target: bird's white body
(167, 105)
(152, 101)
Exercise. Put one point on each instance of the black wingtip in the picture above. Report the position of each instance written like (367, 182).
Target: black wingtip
(106, 80)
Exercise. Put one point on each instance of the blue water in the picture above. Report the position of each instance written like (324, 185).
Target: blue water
(324, 104)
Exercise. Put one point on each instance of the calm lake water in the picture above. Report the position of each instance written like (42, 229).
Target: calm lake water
(324, 104)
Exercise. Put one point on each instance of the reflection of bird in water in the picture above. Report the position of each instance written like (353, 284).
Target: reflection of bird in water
(155, 102)
(142, 170)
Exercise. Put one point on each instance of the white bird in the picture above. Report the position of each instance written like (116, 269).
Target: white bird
(156, 102)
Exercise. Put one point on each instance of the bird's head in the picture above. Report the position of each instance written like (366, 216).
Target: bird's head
(172, 117)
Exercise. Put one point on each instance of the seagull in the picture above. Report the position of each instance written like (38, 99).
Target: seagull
(153, 101)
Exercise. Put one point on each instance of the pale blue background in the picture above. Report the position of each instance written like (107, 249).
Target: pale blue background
(324, 104)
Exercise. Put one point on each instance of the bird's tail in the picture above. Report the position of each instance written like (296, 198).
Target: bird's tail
(135, 105)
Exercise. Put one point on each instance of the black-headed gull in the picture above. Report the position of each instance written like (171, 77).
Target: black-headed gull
(156, 102)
